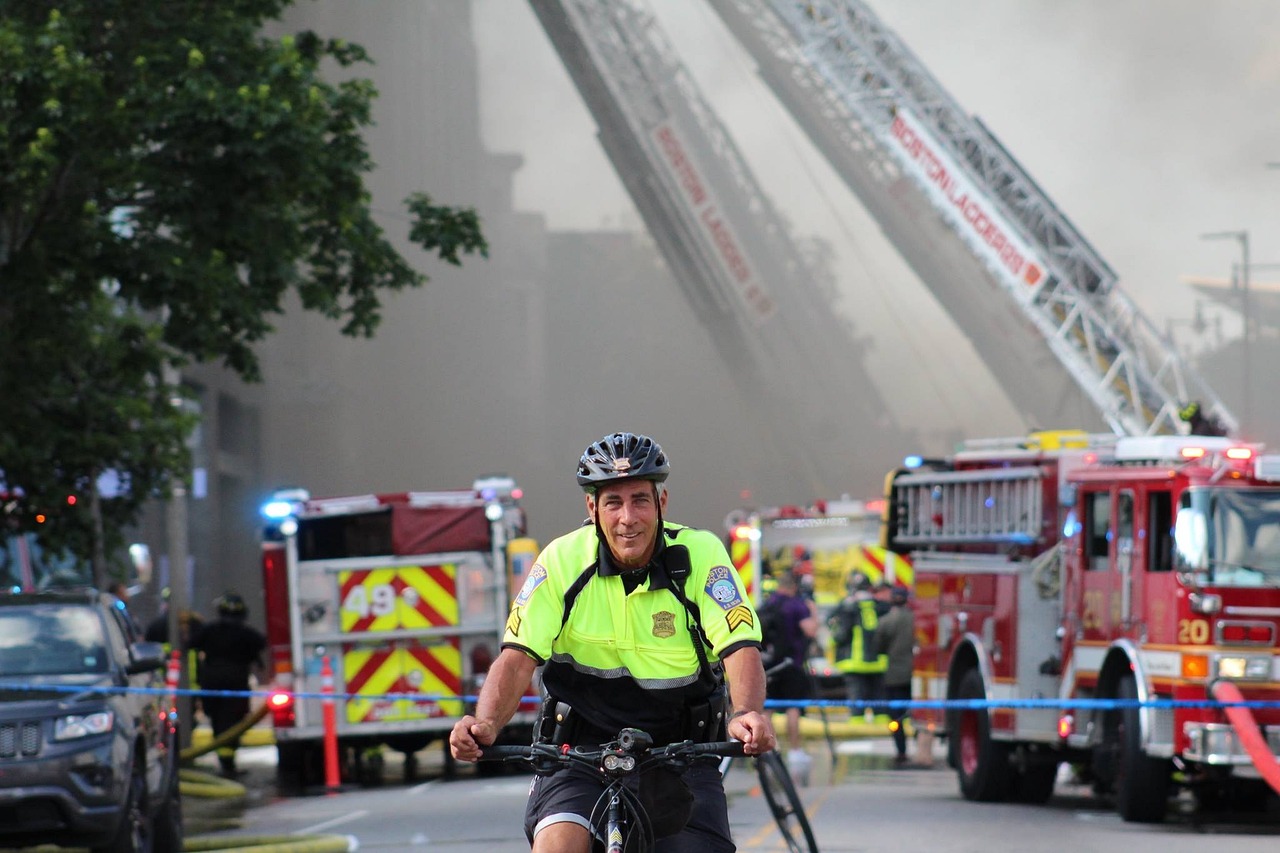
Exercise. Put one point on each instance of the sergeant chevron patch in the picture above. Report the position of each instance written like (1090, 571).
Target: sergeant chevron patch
(738, 616)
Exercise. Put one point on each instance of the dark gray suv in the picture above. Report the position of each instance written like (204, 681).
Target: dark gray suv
(80, 767)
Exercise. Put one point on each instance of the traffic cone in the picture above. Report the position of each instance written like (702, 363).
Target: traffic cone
(332, 776)
(172, 677)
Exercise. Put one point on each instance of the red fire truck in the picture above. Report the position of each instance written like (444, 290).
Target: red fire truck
(1078, 568)
(404, 596)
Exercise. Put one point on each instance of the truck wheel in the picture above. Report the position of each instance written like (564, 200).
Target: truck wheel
(982, 765)
(1141, 783)
(1034, 783)
(299, 765)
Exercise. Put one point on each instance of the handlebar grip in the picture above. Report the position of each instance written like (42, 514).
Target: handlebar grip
(503, 752)
(725, 748)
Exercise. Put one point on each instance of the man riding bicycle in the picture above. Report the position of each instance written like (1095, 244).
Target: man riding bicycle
(638, 622)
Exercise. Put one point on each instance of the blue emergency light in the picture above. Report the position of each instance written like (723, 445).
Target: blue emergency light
(277, 510)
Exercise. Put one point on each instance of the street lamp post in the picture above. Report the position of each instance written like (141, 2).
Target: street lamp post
(1242, 282)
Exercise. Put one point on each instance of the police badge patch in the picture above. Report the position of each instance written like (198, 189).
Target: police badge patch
(537, 575)
(720, 586)
(664, 624)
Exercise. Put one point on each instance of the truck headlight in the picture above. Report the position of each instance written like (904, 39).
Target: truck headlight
(1244, 667)
(83, 725)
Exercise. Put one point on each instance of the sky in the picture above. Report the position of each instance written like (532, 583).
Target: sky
(1150, 123)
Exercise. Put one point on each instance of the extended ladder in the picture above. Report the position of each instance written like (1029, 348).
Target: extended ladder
(770, 312)
(904, 146)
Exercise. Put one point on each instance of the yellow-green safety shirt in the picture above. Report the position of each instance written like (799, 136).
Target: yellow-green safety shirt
(627, 659)
(859, 656)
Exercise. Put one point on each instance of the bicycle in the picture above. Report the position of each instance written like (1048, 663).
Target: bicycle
(784, 801)
(779, 789)
(630, 754)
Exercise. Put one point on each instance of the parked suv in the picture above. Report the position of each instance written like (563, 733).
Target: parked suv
(80, 767)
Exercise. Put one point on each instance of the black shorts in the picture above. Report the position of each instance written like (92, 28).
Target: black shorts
(790, 683)
(575, 797)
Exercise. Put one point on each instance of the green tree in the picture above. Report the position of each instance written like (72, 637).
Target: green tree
(168, 174)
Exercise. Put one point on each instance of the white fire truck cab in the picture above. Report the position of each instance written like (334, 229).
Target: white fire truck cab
(403, 599)
(1078, 568)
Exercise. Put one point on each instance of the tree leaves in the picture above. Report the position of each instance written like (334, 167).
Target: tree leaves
(167, 176)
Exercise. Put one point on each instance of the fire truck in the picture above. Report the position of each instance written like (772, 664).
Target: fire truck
(395, 602)
(1079, 568)
(827, 540)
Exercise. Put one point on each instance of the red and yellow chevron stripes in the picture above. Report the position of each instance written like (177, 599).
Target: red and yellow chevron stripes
(399, 597)
(832, 567)
(405, 666)
(740, 555)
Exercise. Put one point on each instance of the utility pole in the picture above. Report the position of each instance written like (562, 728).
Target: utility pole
(179, 588)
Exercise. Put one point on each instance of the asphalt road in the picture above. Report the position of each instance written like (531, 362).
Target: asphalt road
(858, 802)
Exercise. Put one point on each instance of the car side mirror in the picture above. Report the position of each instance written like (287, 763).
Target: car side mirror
(146, 657)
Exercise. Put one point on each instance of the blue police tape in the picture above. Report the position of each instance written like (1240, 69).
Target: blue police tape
(774, 704)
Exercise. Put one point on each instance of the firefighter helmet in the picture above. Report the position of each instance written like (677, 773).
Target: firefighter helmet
(231, 603)
(622, 456)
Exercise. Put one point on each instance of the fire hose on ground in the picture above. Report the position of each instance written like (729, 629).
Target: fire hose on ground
(201, 784)
(1246, 729)
(226, 738)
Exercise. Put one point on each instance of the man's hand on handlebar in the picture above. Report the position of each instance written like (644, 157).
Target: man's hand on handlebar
(469, 737)
(755, 730)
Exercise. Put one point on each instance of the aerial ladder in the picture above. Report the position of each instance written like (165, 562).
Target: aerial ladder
(770, 310)
(968, 219)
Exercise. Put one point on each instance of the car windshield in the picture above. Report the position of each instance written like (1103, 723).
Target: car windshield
(1229, 537)
(51, 639)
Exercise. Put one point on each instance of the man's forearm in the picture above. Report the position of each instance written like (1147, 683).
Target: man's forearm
(504, 686)
(745, 675)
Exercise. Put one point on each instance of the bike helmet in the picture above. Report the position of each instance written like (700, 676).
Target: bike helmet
(231, 604)
(622, 456)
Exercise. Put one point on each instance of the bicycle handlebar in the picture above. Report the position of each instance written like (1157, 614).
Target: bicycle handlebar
(629, 753)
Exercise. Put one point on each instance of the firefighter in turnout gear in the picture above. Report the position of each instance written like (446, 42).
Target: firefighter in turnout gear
(857, 652)
(638, 622)
(229, 650)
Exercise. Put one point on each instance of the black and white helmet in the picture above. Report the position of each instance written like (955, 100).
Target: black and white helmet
(622, 456)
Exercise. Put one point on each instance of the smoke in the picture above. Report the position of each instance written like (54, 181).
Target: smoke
(1149, 123)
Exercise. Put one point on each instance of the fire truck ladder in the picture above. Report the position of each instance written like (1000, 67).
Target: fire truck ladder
(965, 215)
(954, 507)
(768, 310)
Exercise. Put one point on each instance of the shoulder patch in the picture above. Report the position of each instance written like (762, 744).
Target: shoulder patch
(722, 589)
(537, 575)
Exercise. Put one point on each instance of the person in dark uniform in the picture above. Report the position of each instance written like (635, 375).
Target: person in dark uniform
(898, 637)
(229, 650)
(788, 624)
